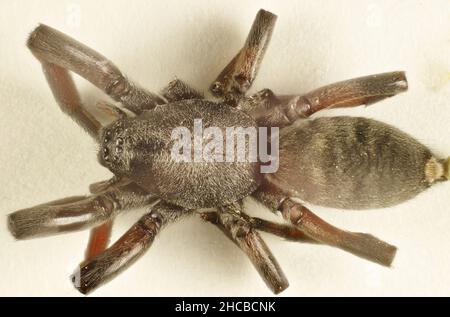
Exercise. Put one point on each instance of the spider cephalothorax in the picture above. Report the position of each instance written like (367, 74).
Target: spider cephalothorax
(342, 162)
(141, 148)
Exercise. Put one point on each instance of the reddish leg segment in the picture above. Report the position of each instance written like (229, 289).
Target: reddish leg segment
(66, 94)
(99, 239)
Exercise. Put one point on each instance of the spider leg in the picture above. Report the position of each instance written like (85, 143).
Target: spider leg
(75, 213)
(237, 77)
(100, 236)
(360, 244)
(111, 112)
(178, 90)
(62, 201)
(287, 232)
(238, 229)
(269, 109)
(60, 53)
(99, 239)
(106, 265)
(66, 94)
(115, 181)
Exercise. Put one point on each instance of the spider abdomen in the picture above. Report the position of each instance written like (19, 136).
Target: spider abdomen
(352, 163)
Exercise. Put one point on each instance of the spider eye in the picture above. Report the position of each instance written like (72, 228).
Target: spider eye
(105, 153)
(107, 136)
(217, 88)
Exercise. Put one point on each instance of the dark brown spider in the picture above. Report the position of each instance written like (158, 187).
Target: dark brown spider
(342, 162)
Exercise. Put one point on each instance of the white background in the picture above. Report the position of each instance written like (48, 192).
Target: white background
(44, 155)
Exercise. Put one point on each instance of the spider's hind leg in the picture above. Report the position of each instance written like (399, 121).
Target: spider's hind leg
(287, 232)
(360, 244)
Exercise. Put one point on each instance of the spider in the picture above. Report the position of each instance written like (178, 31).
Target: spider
(341, 162)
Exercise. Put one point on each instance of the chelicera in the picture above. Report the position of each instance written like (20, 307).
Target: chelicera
(341, 162)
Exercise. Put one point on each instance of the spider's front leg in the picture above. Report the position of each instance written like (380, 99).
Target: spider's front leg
(271, 110)
(361, 244)
(238, 228)
(237, 77)
(59, 54)
(106, 265)
(76, 213)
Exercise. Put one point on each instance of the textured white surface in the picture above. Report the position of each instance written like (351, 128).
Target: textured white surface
(45, 156)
